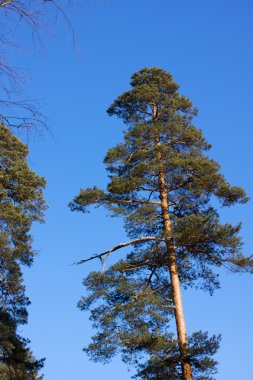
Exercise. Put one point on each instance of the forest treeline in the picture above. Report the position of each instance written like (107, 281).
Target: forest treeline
(162, 184)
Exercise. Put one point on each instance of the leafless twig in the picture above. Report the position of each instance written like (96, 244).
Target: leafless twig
(38, 16)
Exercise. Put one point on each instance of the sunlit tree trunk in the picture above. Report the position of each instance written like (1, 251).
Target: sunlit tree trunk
(172, 265)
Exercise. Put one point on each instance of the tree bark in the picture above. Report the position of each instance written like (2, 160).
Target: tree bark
(172, 264)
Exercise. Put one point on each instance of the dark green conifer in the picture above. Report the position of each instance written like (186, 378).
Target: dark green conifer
(21, 203)
(16, 359)
(161, 183)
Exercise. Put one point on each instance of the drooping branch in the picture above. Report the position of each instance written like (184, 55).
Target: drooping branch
(22, 114)
(40, 16)
(121, 245)
(36, 13)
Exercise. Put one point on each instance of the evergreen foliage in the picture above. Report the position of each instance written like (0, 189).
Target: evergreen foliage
(21, 203)
(16, 360)
(161, 181)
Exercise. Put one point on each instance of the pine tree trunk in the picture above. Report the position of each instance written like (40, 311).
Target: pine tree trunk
(172, 265)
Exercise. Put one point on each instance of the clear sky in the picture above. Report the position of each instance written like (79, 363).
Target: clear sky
(207, 46)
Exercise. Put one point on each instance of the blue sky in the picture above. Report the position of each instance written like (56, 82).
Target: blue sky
(207, 46)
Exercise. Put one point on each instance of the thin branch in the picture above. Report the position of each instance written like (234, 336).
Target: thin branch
(129, 201)
(136, 266)
(136, 296)
(144, 149)
(142, 294)
(22, 114)
(183, 184)
(153, 189)
(121, 245)
(37, 15)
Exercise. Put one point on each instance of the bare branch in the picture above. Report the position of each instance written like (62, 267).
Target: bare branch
(121, 245)
(22, 114)
(129, 201)
(39, 16)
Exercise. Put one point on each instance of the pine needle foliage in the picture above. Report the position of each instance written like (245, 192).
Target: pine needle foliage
(161, 182)
(16, 359)
(21, 204)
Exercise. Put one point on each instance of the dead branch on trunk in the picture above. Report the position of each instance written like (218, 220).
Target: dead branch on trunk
(129, 201)
(121, 245)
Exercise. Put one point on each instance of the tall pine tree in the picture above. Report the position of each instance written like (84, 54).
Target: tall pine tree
(161, 182)
(21, 204)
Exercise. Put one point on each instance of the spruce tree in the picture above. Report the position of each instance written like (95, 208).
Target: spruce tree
(21, 204)
(161, 181)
